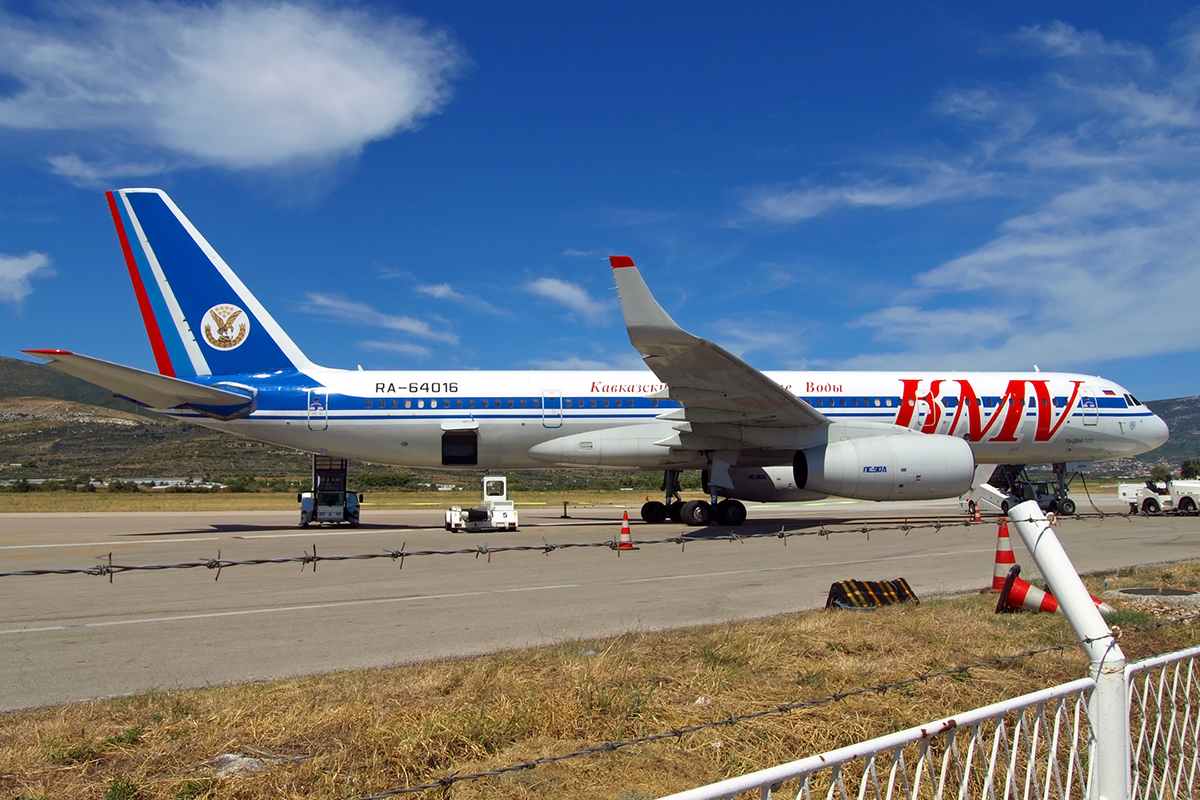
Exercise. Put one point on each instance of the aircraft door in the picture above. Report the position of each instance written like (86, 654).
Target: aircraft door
(460, 443)
(318, 409)
(919, 418)
(552, 416)
(1089, 406)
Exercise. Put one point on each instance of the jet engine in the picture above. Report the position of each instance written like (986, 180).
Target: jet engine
(894, 467)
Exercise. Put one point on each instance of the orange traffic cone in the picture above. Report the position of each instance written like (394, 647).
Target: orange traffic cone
(1004, 558)
(626, 542)
(978, 516)
(1018, 594)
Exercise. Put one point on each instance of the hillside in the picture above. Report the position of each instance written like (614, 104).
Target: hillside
(31, 379)
(1182, 415)
(60, 427)
(52, 438)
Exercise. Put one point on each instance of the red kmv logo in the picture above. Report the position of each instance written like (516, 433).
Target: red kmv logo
(1001, 422)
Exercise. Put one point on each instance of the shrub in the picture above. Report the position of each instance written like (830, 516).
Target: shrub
(381, 480)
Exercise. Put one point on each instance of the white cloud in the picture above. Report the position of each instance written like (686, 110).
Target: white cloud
(444, 291)
(571, 295)
(629, 360)
(15, 272)
(337, 307)
(79, 171)
(239, 85)
(1100, 260)
(1106, 270)
(1060, 40)
(569, 363)
(780, 339)
(397, 347)
(934, 181)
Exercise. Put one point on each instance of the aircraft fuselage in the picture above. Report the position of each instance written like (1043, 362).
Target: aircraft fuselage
(400, 417)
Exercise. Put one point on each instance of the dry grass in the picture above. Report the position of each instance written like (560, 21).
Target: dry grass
(354, 733)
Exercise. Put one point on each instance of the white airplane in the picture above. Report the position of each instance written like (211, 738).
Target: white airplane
(224, 363)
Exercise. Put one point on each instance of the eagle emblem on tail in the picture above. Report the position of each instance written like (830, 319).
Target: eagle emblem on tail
(219, 323)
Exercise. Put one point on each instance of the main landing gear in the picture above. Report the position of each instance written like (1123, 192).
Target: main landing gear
(1050, 495)
(696, 513)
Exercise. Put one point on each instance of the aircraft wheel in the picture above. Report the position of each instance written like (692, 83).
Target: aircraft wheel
(1150, 507)
(729, 512)
(695, 513)
(675, 511)
(971, 507)
(1187, 505)
(1066, 507)
(654, 512)
(1003, 506)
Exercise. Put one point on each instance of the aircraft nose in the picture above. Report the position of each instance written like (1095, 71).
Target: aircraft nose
(1155, 432)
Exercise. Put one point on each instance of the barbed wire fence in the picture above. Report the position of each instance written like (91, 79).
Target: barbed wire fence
(447, 781)
(109, 568)
(313, 558)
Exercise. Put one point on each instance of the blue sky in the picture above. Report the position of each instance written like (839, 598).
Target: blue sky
(436, 185)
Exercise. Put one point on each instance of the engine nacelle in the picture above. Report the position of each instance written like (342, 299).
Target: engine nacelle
(767, 485)
(894, 467)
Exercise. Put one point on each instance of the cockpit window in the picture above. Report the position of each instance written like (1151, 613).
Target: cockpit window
(1136, 402)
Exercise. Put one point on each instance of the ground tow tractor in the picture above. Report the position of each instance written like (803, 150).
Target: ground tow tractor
(1151, 498)
(496, 512)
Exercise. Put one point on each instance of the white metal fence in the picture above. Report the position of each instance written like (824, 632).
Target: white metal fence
(1164, 701)
(1030, 746)
(1034, 746)
(1127, 731)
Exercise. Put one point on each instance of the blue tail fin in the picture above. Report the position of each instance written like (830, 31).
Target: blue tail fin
(200, 318)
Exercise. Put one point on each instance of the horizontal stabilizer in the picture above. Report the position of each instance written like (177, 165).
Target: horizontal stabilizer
(148, 388)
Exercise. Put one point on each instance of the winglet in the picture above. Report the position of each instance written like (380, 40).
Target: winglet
(645, 319)
(702, 375)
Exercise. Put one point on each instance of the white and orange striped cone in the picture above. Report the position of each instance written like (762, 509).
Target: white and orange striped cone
(978, 516)
(1018, 594)
(1004, 557)
(626, 541)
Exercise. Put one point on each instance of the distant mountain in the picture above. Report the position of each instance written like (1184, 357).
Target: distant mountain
(30, 379)
(1182, 415)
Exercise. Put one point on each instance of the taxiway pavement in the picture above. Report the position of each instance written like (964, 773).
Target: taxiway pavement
(75, 637)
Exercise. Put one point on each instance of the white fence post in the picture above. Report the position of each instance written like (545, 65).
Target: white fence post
(1108, 708)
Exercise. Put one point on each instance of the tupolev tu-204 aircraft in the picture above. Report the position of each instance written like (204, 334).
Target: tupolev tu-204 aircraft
(224, 363)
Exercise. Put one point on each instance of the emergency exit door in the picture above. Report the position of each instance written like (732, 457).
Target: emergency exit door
(552, 416)
(318, 409)
(1089, 405)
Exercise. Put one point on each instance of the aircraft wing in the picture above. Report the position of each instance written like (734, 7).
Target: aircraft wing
(148, 388)
(716, 388)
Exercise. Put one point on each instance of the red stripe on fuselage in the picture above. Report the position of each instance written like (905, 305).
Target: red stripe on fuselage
(156, 340)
